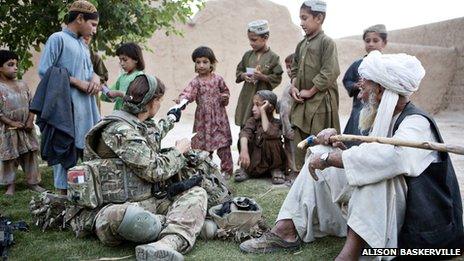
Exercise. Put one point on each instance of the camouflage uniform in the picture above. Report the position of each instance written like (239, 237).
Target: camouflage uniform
(138, 144)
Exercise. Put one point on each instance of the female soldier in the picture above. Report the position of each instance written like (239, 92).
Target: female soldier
(130, 136)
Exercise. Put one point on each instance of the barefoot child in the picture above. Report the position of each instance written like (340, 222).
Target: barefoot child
(259, 68)
(314, 77)
(375, 38)
(285, 106)
(131, 61)
(261, 150)
(212, 96)
(18, 141)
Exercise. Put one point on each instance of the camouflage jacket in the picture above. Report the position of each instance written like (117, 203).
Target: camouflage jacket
(138, 145)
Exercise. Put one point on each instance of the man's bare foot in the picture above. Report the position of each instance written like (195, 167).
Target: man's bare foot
(63, 192)
(36, 188)
(10, 189)
(352, 248)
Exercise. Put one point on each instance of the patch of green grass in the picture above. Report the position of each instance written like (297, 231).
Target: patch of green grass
(62, 245)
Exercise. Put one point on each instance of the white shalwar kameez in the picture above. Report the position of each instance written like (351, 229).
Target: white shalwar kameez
(371, 183)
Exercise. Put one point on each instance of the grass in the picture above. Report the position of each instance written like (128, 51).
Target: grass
(62, 245)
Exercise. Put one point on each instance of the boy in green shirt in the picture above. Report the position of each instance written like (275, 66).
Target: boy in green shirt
(259, 68)
(314, 78)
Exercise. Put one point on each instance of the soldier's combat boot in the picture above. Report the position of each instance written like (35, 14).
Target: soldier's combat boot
(165, 249)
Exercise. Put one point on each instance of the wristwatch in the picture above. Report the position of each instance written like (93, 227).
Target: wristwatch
(325, 157)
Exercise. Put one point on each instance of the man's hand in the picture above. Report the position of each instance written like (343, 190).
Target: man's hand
(315, 162)
(183, 145)
(295, 93)
(244, 159)
(323, 137)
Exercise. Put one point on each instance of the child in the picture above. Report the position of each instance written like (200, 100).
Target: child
(375, 38)
(285, 106)
(99, 67)
(314, 78)
(260, 69)
(212, 96)
(261, 148)
(131, 60)
(18, 141)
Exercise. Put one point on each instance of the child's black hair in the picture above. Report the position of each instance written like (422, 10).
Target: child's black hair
(382, 36)
(204, 51)
(133, 51)
(6, 55)
(313, 13)
(87, 16)
(269, 96)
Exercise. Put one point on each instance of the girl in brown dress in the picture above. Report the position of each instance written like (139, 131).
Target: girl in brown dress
(18, 141)
(261, 150)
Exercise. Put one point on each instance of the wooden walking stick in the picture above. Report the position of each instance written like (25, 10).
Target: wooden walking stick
(427, 145)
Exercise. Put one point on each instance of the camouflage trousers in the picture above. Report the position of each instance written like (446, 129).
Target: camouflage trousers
(185, 215)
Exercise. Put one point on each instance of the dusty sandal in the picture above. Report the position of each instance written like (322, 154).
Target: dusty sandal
(277, 177)
(240, 175)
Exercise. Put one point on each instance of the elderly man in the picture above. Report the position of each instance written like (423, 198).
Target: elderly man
(362, 192)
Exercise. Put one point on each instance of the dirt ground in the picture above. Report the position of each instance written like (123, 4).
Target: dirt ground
(451, 124)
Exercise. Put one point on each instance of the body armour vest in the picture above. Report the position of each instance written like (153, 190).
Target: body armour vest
(103, 177)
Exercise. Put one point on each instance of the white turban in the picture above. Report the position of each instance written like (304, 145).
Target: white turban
(399, 74)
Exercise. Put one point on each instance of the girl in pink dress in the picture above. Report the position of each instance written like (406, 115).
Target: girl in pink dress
(212, 96)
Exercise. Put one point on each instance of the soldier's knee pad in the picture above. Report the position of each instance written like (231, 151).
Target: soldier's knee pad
(139, 225)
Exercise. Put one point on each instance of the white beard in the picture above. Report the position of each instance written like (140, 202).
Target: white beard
(368, 113)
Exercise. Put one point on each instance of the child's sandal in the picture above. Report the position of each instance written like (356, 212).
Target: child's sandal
(240, 175)
(277, 177)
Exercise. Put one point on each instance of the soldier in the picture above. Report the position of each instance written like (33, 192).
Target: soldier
(135, 171)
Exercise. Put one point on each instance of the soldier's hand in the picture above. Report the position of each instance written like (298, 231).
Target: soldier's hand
(183, 145)
(176, 113)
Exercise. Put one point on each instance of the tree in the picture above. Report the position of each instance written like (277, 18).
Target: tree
(29, 23)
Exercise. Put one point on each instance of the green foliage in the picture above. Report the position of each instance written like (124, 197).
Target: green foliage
(29, 23)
